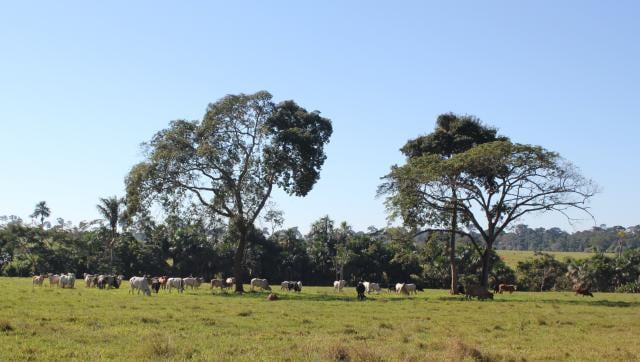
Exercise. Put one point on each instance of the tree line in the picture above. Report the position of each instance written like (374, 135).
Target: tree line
(462, 180)
(190, 245)
(615, 239)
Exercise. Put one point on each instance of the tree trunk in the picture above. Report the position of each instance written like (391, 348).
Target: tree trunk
(484, 280)
(452, 251)
(239, 255)
(111, 245)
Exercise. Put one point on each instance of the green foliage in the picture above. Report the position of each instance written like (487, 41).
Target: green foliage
(496, 183)
(633, 287)
(41, 211)
(541, 273)
(230, 161)
(453, 134)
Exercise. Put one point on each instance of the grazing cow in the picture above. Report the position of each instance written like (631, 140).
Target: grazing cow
(88, 279)
(284, 285)
(411, 289)
(155, 285)
(139, 284)
(295, 286)
(230, 282)
(163, 282)
(406, 289)
(477, 291)
(263, 284)
(400, 287)
(37, 280)
(360, 289)
(191, 282)
(102, 281)
(338, 285)
(54, 279)
(109, 281)
(175, 283)
(580, 289)
(507, 288)
(117, 281)
(68, 280)
(219, 283)
(374, 287)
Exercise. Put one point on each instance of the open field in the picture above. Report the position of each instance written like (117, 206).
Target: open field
(317, 325)
(512, 257)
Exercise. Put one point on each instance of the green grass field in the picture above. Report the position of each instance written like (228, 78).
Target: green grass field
(88, 324)
(512, 257)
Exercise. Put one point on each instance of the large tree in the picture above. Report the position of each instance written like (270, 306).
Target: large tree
(231, 161)
(110, 209)
(497, 183)
(453, 134)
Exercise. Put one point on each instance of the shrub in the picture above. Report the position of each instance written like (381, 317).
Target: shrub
(633, 287)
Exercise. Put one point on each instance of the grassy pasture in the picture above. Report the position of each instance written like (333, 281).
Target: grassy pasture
(512, 257)
(317, 325)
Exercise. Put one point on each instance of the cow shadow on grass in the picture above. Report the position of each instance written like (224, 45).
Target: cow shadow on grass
(313, 297)
(581, 301)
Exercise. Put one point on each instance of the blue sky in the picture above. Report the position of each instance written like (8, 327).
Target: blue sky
(82, 84)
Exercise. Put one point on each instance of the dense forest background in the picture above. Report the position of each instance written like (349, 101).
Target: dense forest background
(183, 245)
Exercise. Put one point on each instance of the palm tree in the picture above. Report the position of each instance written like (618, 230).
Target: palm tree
(109, 208)
(41, 211)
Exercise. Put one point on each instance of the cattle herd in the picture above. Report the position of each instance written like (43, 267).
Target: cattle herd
(147, 285)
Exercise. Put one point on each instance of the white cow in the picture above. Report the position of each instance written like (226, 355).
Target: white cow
(37, 280)
(68, 280)
(338, 285)
(374, 287)
(88, 280)
(366, 286)
(263, 284)
(411, 289)
(284, 285)
(406, 289)
(139, 284)
(192, 282)
(230, 281)
(175, 283)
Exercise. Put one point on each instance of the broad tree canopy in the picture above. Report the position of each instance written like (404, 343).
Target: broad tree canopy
(497, 183)
(231, 160)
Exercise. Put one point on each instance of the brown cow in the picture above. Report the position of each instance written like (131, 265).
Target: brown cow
(37, 280)
(219, 283)
(54, 279)
(163, 281)
(477, 291)
(582, 290)
(272, 297)
(507, 288)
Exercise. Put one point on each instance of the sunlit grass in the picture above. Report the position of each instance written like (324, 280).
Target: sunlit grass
(512, 257)
(317, 324)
